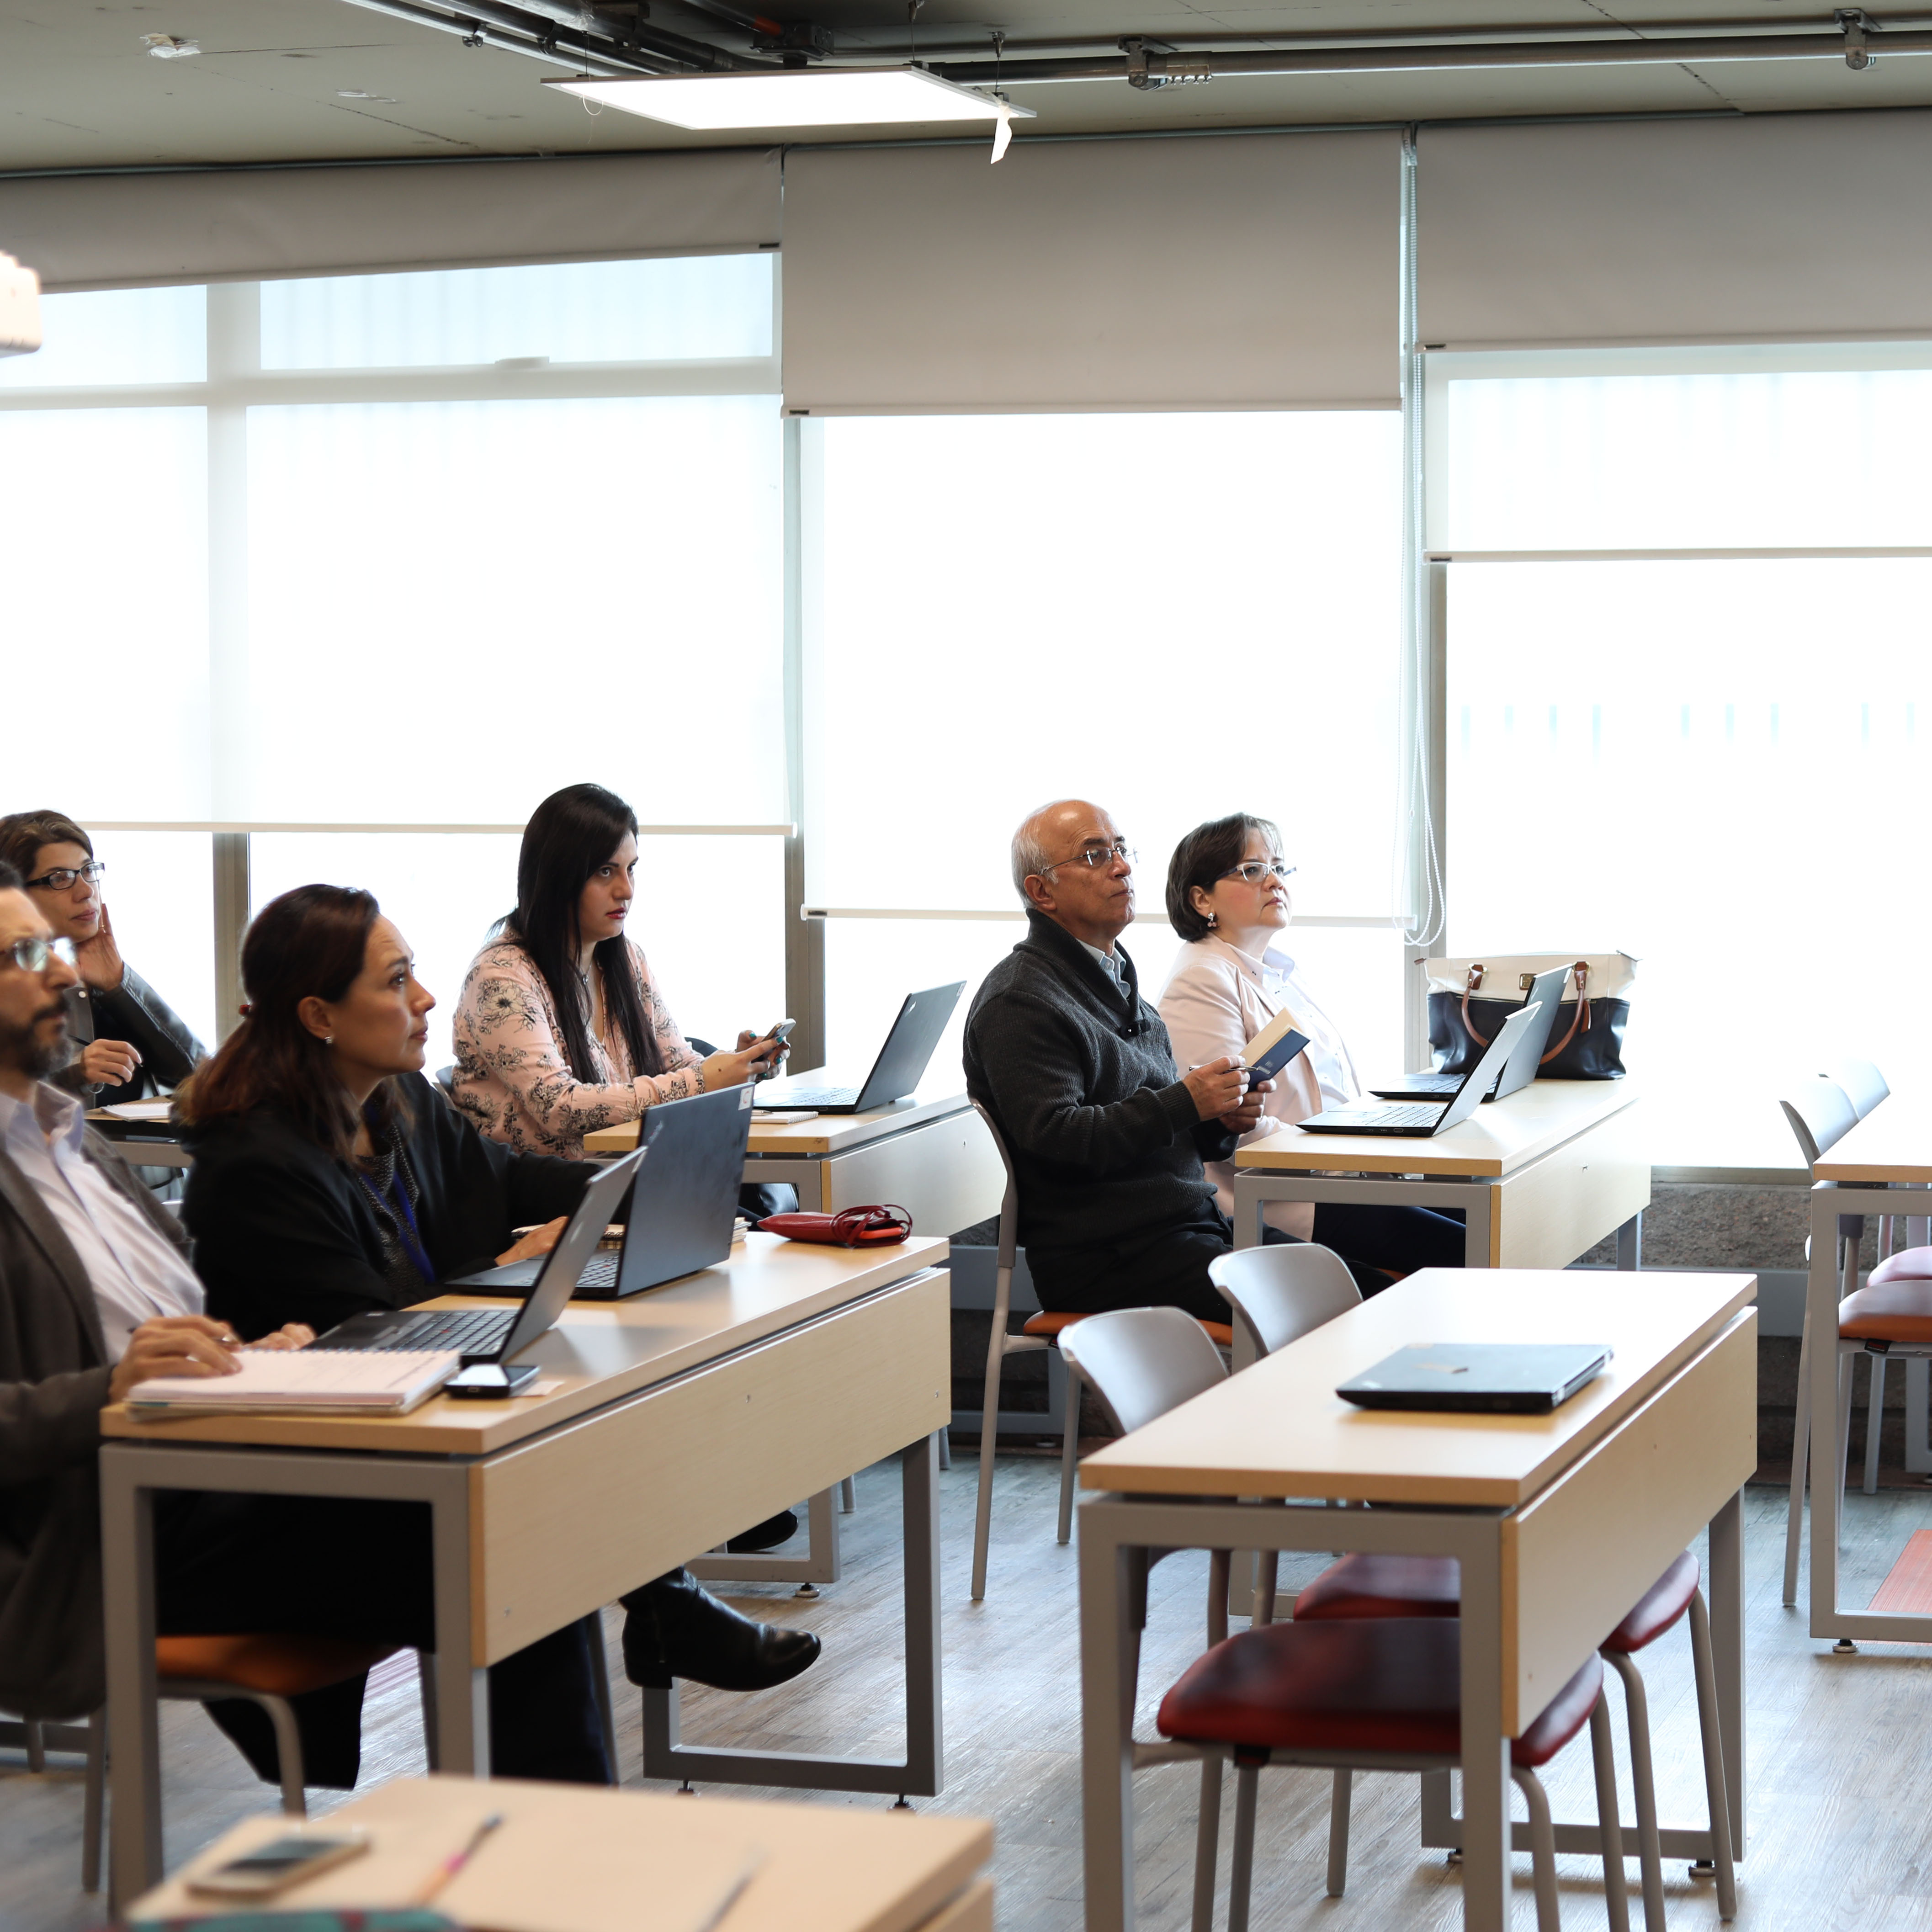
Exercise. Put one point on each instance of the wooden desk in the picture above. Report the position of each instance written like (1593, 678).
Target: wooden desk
(931, 1154)
(683, 1415)
(1543, 1176)
(1869, 1172)
(569, 1857)
(1562, 1522)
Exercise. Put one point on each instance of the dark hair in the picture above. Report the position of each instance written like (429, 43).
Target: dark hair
(311, 942)
(1206, 854)
(569, 835)
(23, 833)
(10, 880)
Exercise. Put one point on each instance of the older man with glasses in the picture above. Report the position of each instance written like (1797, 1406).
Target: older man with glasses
(1107, 1135)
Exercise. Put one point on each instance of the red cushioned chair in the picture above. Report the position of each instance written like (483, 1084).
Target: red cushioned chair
(1375, 1694)
(1368, 1587)
(1042, 1331)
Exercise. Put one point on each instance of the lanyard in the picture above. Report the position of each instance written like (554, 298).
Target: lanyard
(398, 1196)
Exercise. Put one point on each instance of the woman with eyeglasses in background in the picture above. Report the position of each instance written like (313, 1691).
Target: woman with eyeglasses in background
(129, 1042)
(1228, 897)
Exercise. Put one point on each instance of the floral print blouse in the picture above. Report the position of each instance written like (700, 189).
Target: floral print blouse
(511, 1078)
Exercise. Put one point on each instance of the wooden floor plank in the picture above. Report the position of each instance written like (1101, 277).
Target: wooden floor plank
(1841, 1834)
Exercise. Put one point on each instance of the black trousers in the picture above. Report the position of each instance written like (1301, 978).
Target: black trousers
(314, 1566)
(1170, 1269)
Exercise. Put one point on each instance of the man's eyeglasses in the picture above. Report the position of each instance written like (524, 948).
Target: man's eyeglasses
(32, 956)
(1095, 856)
(1254, 871)
(62, 877)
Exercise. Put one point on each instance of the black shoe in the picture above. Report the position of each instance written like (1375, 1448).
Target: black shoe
(766, 1535)
(677, 1628)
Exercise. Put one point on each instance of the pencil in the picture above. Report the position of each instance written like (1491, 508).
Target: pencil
(457, 1860)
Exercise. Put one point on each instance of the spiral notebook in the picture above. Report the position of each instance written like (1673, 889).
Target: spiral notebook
(307, 1382)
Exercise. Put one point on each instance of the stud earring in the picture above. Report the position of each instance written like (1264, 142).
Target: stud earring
(328, 1039)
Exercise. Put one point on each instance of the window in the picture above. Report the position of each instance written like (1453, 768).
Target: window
(1179, 615)
(1707, 760)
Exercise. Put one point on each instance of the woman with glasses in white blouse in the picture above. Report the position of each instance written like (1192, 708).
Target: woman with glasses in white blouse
(1228, 897)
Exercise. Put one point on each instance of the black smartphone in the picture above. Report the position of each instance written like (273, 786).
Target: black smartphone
(280, 1863)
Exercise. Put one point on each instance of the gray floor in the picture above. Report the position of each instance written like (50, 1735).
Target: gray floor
(1840, 1809)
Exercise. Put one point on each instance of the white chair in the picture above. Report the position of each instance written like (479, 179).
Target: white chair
(1140, 1362)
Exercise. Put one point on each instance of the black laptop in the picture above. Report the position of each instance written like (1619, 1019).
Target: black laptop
(684, 1203)
(899, 1070)
(493, 1335)
(1519, 1070)
(1418, 1119)
(1496, 1378)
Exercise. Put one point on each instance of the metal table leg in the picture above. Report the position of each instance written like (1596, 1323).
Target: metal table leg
(1109, 1656)
(1486, 1751)
(1630, 1244)
(920, 1773)
(133, 1716)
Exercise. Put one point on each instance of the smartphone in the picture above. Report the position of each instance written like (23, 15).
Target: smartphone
(280, 1863)
(781, 1032)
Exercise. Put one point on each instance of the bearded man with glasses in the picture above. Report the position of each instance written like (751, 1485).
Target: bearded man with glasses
(1108, 1136)
(128, 1041)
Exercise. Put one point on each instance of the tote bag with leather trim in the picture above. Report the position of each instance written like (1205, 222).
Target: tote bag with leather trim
(1470, 999)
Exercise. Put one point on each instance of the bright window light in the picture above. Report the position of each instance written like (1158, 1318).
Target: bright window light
(804, 97)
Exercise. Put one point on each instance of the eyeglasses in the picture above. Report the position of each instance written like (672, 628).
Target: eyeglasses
(62, 877)
(1254, 871)
(1094, 857)
(32, 956)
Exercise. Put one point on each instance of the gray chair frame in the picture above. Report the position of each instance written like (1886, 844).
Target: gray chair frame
(999, 1346)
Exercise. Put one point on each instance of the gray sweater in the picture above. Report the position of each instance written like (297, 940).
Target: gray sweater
(1080, 1078)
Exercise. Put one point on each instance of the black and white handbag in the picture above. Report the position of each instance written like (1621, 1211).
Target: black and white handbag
(1470, 999)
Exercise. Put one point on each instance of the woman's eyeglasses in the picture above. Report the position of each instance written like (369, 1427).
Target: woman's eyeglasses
(62, 877)
(1095, 856)
(1255, 870)
(32, 956)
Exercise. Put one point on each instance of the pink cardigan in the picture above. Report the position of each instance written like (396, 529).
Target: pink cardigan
(1213, 1005)
(511, 1078)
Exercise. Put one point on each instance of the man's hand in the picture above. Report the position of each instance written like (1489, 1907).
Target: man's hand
(289, 1335)
(538, 1241)
(98, 960)
(174, 1345)
(1216, 1087)
(109, 1063)
(1245, 1118)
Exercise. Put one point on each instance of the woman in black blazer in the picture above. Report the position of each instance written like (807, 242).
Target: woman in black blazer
(330, 1179)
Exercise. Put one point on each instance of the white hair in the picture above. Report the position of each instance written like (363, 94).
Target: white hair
(1030, 855)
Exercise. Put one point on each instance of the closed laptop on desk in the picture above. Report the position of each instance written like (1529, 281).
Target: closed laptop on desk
(1506, 1377)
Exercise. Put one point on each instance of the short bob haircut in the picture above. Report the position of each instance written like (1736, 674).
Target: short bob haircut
(1208, 853)
(23, 833)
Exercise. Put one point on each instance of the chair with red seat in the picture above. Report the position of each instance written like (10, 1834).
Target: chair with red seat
(1375, 1694)
(1372, 1587)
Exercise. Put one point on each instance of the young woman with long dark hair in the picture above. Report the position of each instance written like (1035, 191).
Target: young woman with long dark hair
(330, 1179)
(559, 1028)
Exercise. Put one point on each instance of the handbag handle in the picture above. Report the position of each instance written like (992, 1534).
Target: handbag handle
(850, 1223)
(1579, 972)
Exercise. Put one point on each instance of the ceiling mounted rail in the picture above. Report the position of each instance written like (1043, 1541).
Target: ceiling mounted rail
(607, 40)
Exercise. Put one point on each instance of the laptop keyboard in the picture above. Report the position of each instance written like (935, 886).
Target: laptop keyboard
(812, 1096)
(1397, 1114)
(600, 1271)
(471, 1331)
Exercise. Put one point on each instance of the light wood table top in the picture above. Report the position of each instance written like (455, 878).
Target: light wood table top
(1500, 1137)
(601, 1350)
(810, 1140)
(1892, 1143)
(1278, 1429)
(570, 1859)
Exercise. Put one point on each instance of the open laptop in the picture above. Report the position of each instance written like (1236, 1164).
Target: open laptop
(493, 1335)
(899, 1070)
(1496, 1378)
(684, 1203)
(1418, 1119)
(1519, 1070)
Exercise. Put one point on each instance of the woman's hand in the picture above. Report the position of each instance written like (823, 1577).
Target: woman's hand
(109, 1063)
(290, 1335)
(98, 960)
(538, 1241)
(734, 1069)
(174, 1345)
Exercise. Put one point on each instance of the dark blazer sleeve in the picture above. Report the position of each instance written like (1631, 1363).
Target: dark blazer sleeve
(51, 1425)
(1030, 1064)
(486, 1190)
(134, 1011)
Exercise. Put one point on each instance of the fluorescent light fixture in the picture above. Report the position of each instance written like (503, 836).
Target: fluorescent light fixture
(791, 97)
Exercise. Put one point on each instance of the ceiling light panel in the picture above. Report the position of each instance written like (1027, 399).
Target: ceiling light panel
(802, 97)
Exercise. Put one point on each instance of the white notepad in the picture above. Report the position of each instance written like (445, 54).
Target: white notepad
(339, 1381)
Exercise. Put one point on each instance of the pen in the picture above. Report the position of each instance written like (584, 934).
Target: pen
(454, 1863)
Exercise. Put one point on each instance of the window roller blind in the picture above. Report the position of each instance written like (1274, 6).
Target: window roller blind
(127, 231)
(1242, 272)
(1774, 227)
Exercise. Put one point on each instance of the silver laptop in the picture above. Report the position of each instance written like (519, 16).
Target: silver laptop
(1420, 1119)
(900, 1067)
